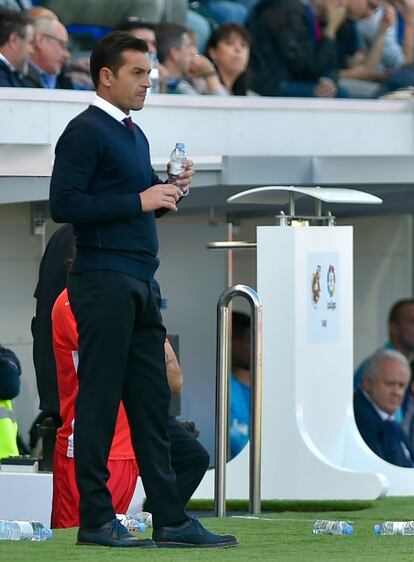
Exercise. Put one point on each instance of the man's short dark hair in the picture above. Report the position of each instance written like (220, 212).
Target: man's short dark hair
(108, 52)
(132, 23)
(12, 21)
(169, 35)
(240, 325)
(395, 312)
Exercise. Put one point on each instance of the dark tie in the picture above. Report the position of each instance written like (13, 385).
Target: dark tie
(128, 123)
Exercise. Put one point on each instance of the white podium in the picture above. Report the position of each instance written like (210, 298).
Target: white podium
(311, 447)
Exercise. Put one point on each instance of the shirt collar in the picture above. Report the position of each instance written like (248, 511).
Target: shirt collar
(109, 108)
(9, 64)
(383, 415)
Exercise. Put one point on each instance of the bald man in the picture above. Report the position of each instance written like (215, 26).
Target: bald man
(50, 52)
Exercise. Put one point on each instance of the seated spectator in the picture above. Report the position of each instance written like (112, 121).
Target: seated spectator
(49, 55)
(291, 54)
(188, 458)
(408, 421)
(229, 49)
(202, 73)
(240, 383)
(16, 47)
(398, 52)
(146, 31)
(9, 388)
(176, 53)
(188, 72)
(379, 397)
(400, 331)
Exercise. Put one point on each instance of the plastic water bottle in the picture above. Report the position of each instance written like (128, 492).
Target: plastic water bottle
(177, 158)
(23, 531)
(395, 528)
(144, 517)
(131, 522)
(154, 74)
(325, 527)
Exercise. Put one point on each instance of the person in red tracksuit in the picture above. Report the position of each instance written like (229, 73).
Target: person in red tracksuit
(189, 458)
(122, 465)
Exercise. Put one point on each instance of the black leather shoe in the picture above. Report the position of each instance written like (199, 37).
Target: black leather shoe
(191, 534)
(111, 534)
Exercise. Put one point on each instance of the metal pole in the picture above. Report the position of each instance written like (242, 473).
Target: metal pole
(222, 385)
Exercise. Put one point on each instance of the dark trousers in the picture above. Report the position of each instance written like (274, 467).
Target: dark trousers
(189, 460)
(121, 357)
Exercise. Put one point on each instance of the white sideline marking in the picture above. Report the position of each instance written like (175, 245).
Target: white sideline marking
(277, 520)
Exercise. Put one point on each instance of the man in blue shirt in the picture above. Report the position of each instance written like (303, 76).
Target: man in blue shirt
(50, 54)
(240, 383)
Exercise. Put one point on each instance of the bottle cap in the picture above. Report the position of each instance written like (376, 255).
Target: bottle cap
(377, 529)
(348, 530)
(49, 533)
(180, 145)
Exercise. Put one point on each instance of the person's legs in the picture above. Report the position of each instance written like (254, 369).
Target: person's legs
(122, 483)
(189, 459)
(146, 400)
(105, 313)
(65, 504)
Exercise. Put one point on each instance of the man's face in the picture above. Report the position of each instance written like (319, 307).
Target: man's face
(359, 9)
(128, 87)
(51, 48)
(147, 35)
(387, 389)
(22, 49)
(185, 54)
(402, 330)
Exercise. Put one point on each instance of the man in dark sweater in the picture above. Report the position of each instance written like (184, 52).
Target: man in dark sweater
(16, 46)
(103, 183)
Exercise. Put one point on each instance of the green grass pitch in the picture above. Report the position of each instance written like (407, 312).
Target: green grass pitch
(283, 536)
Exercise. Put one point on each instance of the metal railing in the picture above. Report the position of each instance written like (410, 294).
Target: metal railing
(222, 385)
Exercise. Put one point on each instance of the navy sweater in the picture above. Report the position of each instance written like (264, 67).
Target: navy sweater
(100, 168)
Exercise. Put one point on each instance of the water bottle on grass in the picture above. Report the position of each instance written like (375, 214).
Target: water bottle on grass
(325, 527)
(24, 531)
(135, 523)
(395, 528)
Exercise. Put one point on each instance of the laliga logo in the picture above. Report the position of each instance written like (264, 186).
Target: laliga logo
(316, 286)
(331, 281)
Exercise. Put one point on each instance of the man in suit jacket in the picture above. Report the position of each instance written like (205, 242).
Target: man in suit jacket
(103, 183)
(50, 53)
(380, 395)
(16, 46)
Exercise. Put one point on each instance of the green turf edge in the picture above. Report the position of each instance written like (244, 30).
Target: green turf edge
(286, 505)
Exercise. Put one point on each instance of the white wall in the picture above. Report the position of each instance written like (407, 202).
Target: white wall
(19, 260)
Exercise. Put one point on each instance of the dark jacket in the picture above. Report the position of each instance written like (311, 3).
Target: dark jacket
(9, 374)
(52, 280)
(383, 437)
(284, 48)
(9, 78)
(33, 80)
